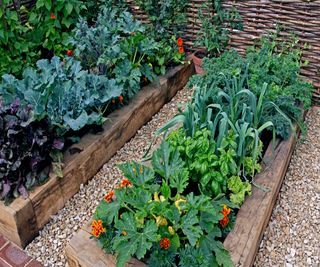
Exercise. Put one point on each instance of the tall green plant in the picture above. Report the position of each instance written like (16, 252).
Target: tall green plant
(216, 27)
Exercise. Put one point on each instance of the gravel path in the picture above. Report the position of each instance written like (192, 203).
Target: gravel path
(292, 237)
(48, 248)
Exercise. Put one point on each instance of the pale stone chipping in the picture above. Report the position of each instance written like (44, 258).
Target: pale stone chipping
(292, 237)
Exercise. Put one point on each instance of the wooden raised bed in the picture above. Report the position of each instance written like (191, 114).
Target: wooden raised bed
(21, 221)
(242, 243)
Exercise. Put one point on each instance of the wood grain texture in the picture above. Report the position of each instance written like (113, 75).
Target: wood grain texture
(252, 219)
(91, 254)
(21, 221)
(253, 216)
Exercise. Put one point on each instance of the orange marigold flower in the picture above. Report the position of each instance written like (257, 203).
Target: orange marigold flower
(52, 16)
(165, 243)
(226, 211)
(224, 221)
(125, 182)
(97, 228)
(180, 42)
(108, 197)
(181, 50)
(120, 98)
(132, 34)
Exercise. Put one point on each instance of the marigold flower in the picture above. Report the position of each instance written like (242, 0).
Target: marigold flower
(141, 169)
(70, 53)
(180, 42)
(134, 170)
(165, 243)
(223, 222)
(52, 16)
(226, 211)
(124, 233)
(120, 98)
(108, 197)
(181, 50)
(97, 228)
(132, 34)
(124, 183)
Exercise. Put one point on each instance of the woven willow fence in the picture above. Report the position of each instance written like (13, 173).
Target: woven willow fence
(260, 17)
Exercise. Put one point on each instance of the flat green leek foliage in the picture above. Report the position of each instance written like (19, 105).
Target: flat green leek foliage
(216, 27)
(272, 62)
(68, 96)
(155, 207)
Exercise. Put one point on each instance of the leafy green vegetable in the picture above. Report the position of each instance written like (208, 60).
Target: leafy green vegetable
(70, 97)
(239, 189)
(272, 63)
(151, 219)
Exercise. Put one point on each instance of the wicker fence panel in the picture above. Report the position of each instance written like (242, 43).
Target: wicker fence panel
(297, 16)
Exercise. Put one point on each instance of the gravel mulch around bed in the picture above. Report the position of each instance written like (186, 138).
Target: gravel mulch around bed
(292, 237)
(48, 248)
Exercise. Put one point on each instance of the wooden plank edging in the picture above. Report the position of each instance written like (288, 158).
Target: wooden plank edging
(21, 221)
(242, 242)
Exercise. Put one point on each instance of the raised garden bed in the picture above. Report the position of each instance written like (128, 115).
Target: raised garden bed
(21, 221)
(242, 243)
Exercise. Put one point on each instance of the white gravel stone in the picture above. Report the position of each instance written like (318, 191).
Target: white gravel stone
(294, 227)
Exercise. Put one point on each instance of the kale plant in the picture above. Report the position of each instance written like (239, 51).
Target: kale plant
(118, 47)
(69, 96)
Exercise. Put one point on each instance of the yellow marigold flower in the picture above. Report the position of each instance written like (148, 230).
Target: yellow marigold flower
(141, 169)
(124, 233)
